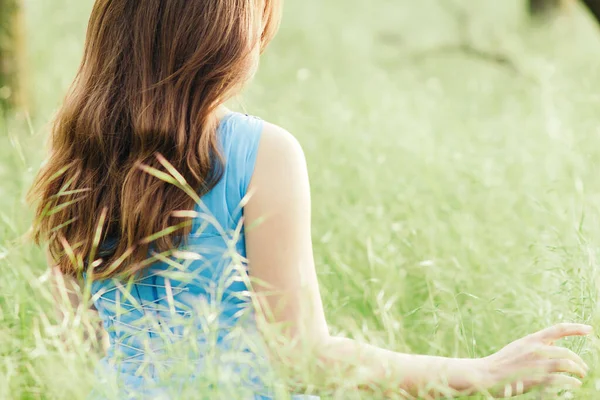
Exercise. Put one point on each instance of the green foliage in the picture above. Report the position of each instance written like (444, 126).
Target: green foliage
(455, 199)
(9, 42)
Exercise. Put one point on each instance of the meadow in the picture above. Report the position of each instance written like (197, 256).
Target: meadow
(454, 157)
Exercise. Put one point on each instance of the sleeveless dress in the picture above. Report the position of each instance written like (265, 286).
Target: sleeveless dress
(184, 328)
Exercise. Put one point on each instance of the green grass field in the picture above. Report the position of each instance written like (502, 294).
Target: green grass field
(456, 196)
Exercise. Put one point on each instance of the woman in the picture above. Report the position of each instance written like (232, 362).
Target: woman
(189, 224)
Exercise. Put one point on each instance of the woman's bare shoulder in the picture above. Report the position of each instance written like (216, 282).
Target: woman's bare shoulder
(279, 143)
(281, 172)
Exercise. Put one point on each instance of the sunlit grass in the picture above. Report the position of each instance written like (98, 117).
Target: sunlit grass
(455, 200)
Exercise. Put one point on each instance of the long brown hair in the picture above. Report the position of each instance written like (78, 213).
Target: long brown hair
(152, 75)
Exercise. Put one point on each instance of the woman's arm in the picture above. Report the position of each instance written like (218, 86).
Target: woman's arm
(278, 238)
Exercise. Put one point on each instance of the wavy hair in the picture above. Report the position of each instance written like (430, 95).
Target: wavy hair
(152, 75)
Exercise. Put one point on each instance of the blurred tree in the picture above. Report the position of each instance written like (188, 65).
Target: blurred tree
(594, 7)
(545, 7)
(12, 91)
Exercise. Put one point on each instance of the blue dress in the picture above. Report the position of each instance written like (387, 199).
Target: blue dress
(185, 328)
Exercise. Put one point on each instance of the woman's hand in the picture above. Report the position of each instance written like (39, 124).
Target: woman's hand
(534, 361)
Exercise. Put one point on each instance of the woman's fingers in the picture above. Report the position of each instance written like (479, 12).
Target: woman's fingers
(560, 381)
(563, 353)
(551, 382)
(535, 362)
(564, 366)
(554, 333)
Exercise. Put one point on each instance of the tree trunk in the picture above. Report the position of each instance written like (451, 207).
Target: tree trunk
(12, 55)
(594, 7)
(543, 7)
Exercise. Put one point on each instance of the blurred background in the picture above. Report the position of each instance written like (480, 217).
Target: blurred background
(453, 148)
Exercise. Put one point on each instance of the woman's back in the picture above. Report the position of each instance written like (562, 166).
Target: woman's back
(183, 315)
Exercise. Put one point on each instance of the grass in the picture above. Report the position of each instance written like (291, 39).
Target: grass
(456, 196)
